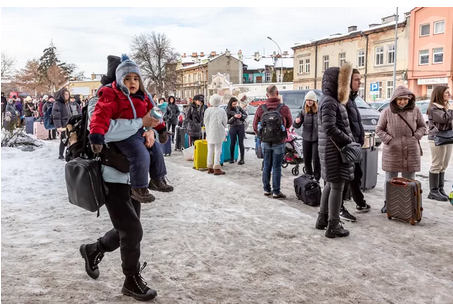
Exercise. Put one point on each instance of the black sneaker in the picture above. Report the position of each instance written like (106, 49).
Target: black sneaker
(363, 209)
(61, 157)
(135, 286)
(335, 229)
(279, 195)
(92, 256)
(345, 215)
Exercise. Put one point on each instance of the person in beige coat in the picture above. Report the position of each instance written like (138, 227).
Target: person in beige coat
(440, 116)
(401, 127)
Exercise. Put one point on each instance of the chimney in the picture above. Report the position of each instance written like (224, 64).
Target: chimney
(93, 76)
(213, 53)
(227, 53)
(374, 24)
(257, 56)
(201, 54)
(194, 54)
(352, 28)
(285, 53)
(184, 56)
(388, 19)
(240, 55)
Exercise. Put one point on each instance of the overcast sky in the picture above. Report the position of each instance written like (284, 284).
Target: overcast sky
(85, 36)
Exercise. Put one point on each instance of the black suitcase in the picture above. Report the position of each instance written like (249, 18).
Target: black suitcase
(180, 134)
(166, 147)
(85, 184)
(308, 190)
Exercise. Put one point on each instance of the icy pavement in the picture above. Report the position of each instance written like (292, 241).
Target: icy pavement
(217, 239)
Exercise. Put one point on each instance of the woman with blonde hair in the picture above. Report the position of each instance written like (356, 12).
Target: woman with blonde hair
(440, 117)
(308, 117)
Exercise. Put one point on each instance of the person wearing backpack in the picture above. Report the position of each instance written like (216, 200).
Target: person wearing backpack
(236, 119)
(270, 124)
(48, 118)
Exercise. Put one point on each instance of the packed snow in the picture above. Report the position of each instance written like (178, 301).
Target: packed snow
(217, 239)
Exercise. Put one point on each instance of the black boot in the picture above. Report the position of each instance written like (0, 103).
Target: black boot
(92, 256)
(322, 221)
(441, 184)
(241, 161)
(135, 286)
(334, 228)
(434, 188)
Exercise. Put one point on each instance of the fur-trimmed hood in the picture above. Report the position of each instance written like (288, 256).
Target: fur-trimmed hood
(336, 82)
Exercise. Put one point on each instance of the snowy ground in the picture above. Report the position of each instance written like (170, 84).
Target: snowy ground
(217, 239)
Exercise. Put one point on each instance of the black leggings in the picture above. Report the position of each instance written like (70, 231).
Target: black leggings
(173, 128)
(310, 151)
(52, 134)
(237, 131)
(62, 145)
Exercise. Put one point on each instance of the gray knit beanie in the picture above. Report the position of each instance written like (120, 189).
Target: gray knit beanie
(127, 66)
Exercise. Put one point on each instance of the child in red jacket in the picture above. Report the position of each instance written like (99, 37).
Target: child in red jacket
(126, 98)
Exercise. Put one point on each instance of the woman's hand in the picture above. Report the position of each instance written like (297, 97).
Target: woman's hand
(238, 115)
(149, 121)
(149, 138)
(298, 120)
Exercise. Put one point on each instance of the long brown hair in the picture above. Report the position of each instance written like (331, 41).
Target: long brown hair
(437, 97)
(313, 109)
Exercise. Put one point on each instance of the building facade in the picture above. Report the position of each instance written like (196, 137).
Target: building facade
(371, 51)
(431, 49)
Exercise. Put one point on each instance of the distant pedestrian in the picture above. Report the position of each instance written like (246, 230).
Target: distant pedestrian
(401, 126)
(61, 112)
(440, 115)
(194, 117)
(236, 119)
(48, 118)
(171, 116)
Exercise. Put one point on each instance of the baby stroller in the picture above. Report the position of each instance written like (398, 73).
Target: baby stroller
(293, 152)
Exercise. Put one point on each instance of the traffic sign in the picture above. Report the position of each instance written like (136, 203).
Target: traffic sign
(374, 87)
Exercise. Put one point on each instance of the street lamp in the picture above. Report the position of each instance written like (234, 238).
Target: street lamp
(281, 57)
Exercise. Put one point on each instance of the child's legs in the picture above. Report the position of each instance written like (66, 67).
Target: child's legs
(138, 157)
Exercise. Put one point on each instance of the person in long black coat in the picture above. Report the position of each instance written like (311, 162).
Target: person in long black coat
(334, 133)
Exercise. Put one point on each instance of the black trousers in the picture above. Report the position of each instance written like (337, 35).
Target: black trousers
(52, 134)
(310, 153)
(127, 229)
(62, 145)
(235, 133)
(355, 186)
(172, 128)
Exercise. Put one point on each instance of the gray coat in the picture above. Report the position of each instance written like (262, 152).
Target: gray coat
(310, 122)
(333, 124)
(439, 119)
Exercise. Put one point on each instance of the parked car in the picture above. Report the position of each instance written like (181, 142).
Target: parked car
(383, 106)
(377, 104)
(423, 106)
(257, 101)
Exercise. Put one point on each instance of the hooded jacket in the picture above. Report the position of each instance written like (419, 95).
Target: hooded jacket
(355, 120)
(401, 152)
(172, 113)
(194, 118)
(233, 121)
(61, 111)
(215, 121)
(333, 124)
(10, 107)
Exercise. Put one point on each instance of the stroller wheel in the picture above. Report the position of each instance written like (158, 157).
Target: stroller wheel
(295, 171)
(284, 163)
(304, 170)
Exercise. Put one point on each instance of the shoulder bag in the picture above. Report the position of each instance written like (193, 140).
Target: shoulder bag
(351, 153)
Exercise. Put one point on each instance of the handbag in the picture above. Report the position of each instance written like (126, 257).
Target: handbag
(443, 138)
(85, 184)
(351, 153)
(413, 133)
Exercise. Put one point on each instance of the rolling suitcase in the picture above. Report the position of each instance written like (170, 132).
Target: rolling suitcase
(166, 147)
(226, 153)
(369, 165)
(29, 121)
(40, 131)
(404, 199)
(200, 156)
(308, 190)
(178, 142)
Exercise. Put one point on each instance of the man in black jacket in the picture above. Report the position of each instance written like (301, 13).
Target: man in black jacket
(355, 122)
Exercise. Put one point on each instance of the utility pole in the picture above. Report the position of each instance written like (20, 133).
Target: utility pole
(396, 40)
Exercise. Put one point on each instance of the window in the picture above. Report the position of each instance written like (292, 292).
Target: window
(424, 30)
(360, 58)
(439, 27)
(268, 77)
(307, 87)
(325, 59)
(438, 55)
(341, 59)
(361, 90)
(299, 88)
(307, 65)
(301, 66)
(379, 55)
(389, 89)
(279, 77)
(380, 90)
(391, 54)
(423, 57)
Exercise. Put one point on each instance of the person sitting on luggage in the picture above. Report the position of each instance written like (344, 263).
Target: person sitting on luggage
(194, 118)
(126, 98)
(215, 121)
(308, 117)
(401, 126)
(236, 119)
(440, 117)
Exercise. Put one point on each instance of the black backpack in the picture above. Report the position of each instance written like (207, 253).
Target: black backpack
(272, 128)
(77, 133)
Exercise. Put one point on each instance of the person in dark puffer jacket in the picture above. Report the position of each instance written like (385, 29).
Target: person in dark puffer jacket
(309, 118)
(171, 116)
(61, 112)
(236, 119)
(334, 129)
(194, 117)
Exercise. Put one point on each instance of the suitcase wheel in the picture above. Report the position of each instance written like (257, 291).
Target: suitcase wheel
(419, 220)
(295, 171)
(389, 217)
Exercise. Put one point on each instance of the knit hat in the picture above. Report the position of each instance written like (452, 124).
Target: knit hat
(126, 67)
(311, 95)
(215, 100)
(199, 97)
(45, 97)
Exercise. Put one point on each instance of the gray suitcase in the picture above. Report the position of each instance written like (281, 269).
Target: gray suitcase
(369, 167)
(404, 199)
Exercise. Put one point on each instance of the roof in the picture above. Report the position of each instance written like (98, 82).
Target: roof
(252, 64)
(203, 61)
(353, 33)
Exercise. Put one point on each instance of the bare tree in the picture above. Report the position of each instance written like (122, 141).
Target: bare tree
(7, 65)
(56, 77)
(29, 78)
(155, 56)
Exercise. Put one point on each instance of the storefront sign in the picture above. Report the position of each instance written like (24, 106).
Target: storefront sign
(432, 81)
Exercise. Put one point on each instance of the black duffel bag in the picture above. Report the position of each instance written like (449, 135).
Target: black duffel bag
(308, 190)
(85, 184)
(443, 138)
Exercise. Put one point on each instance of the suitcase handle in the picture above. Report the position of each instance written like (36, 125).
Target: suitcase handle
(399, 183)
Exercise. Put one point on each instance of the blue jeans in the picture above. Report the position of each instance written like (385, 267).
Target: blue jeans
(138, 156)
(157, 169)
(273, 157)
